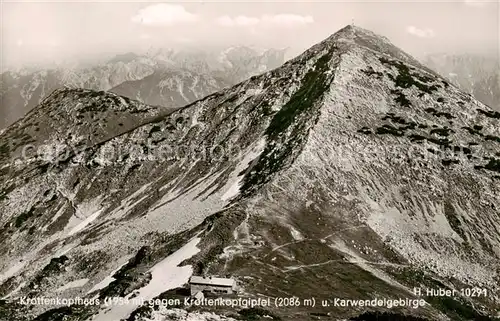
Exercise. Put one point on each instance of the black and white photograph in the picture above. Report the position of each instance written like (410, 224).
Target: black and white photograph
(237, 160)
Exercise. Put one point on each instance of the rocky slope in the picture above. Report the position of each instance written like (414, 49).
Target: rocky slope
(350, 172)
(172, 72)
(477, 75)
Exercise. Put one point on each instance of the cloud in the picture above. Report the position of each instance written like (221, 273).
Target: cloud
(54, 43)
(476, 3)
(288, 19)
(278, 20)
(163, 14)
(242, 21)
(421, 33)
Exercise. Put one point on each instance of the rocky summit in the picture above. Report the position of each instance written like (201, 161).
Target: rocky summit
(348, 177)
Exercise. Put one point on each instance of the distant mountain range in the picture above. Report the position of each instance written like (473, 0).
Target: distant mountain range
(352, 175)
(477, 75)
(171, 87)
(179, 77)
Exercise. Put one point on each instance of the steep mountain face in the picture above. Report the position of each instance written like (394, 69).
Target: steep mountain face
(477, 75)
(172, 72)
(171, 88)
(350, 172)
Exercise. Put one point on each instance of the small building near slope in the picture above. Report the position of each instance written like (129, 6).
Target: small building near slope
(211, 285)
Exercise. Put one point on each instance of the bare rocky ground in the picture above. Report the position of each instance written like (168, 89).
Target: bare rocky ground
(352, 171)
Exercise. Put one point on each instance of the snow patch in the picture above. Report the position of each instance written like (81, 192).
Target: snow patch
(84, 223)
(234, 189)
(255, 91)
(126, 205)
(166, 275)
(85, 214)
(13, 270)
(57, 215)
(297, 236)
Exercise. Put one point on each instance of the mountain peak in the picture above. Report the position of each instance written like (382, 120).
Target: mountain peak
(353, 36)
(353, 32)
(352, 29)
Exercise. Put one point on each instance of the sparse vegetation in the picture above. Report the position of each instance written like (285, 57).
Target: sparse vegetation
(21, 219)
(492, 138)
(416, 138)
(440, 141)
(138, 111)
(388, 129)
(448, 162)
(395, 119)
(154, 129)
(436, 113)
(474, 131)
(399, 120)
(462, 149)
(401, 98)
(4, 149)
(488, 113)
(370, 72)
(406, 79)
(493, 165)
(314, 84)
(445, 131)
(5, 191)
(365, 130)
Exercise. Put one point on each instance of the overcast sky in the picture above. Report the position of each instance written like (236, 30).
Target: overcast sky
(55, 30)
